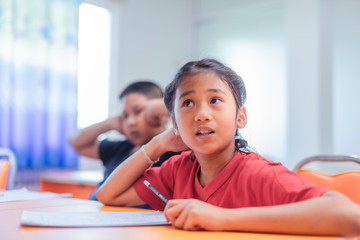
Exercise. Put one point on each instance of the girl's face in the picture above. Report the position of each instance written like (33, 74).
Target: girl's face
(205, 114)
(134, 124)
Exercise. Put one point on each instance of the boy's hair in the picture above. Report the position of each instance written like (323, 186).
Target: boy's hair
(210, 66)
(147, 88)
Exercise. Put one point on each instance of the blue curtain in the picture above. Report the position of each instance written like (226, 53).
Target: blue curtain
(38, 81)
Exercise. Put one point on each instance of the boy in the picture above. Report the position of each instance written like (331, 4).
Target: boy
(143, 116)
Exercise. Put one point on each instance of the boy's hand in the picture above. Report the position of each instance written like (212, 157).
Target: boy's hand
(193, 214)
(156, 113)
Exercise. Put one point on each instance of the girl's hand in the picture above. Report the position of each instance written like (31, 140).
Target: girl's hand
(171, 141)
(192, 214)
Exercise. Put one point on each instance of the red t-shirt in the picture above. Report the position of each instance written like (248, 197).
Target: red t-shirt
(248, 180)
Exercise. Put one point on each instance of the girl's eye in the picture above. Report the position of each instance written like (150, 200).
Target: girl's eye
(215, 101)
(188, 103)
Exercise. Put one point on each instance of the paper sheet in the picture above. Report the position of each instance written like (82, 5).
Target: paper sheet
(24, 194)
(92, 219)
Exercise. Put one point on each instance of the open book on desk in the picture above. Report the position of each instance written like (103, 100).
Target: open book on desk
(93, 219)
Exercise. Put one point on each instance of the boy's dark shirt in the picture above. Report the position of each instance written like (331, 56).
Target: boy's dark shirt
(112, 153)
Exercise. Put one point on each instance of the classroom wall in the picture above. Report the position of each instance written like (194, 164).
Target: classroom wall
(250, 38)
(309, 76)
(303, 77)
(346, 76)
(323, 76)
(314, 49)
(153, 39)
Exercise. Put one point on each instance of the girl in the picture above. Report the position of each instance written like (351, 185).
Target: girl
(219, 185)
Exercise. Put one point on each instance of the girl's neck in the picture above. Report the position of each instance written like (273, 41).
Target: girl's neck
(211, 165)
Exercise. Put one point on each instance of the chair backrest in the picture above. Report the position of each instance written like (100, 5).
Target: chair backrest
(4, 172)
(7, 168)
(347, 182)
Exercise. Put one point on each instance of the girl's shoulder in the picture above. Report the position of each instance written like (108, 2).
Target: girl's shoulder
(255, 159)
(255, 166)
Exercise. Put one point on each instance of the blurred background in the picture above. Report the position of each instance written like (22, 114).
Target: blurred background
(64, 62)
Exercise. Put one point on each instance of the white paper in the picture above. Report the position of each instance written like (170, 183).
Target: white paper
(92, 219)
(24, 194)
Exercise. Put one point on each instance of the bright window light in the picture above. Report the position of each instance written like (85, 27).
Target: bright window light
(93, 64)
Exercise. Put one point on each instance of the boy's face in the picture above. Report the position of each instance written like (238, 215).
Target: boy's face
(135, 126)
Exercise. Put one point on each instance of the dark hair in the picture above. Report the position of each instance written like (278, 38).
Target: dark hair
(146, 88)
(225, 73)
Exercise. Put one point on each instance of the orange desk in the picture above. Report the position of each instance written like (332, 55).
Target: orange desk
(79, 183)
(10, 227)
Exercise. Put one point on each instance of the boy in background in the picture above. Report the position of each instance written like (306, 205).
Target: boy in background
(143, 116)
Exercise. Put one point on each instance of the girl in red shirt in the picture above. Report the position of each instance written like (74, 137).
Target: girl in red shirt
(206, 100)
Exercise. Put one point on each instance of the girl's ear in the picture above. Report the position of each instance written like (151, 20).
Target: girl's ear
(174, 123)
(241, 118)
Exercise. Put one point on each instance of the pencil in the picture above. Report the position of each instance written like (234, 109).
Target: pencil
(152, 188)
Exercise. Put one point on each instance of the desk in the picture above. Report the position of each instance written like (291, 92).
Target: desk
(79, 183)
(11, 229)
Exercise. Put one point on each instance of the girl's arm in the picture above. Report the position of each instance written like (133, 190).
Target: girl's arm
(330, 214)
(86, 143)
(118, 188)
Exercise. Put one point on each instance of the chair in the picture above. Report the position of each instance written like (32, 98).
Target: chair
(7, 168)
(346, 182)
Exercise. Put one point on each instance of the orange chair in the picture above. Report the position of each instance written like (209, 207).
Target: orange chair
(347, 182)
(7, 168)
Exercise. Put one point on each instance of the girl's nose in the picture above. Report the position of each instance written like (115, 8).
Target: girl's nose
(202, 114)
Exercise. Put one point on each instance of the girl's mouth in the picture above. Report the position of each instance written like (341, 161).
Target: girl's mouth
(204, 132)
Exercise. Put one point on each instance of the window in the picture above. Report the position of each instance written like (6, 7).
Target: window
(93, 64)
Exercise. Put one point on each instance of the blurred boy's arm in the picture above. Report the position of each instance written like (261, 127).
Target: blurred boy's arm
(85, 141)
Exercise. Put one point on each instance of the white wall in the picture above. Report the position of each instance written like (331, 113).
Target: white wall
(153, 39)
(303, 72)
(250, 38)
(346, 75)
(309, 88)
(313, 90)
(323, 76)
